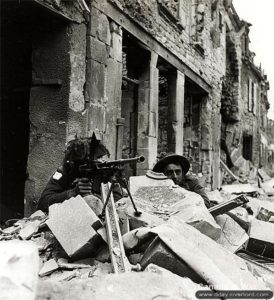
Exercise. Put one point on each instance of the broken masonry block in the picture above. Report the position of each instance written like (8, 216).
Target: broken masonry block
(240, 189)
(160, 199)
(19, 263)
(29, 230)
(94, 203)
(135, 238)
(123, 219)
(49, 267)
(11, 230)
(161, 255)
(76, 227)
(261, 238)
(38, 215)
(233, 236)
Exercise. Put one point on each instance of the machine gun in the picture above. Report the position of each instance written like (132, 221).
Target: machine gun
(109, 171)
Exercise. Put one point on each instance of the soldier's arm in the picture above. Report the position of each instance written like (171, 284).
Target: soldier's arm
(54, 192)
(196, 187)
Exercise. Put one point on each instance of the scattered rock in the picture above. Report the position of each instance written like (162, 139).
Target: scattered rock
(29, 230)
(74, 225)
(216, 265)
(240, 189)
(49, 267)
(233, 236)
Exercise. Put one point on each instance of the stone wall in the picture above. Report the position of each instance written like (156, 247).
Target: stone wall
(206, 59)
(57, 103)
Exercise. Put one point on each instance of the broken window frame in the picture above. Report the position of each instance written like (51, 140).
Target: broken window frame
(247, 147)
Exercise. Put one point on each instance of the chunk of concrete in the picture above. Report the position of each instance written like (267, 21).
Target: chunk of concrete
(268, 187)
(233, 236)
(126, 212)
(216, 265)
(64, 264)
(11, 230)
(38, 215)
(261, 238)
(240, 189)
(19, 263)
(29, 230)
(271, 219)
(160, 254)
(163, 199)
(49, 267)
(135, 238)
(94, 203)
(149, 180)
(74, 225)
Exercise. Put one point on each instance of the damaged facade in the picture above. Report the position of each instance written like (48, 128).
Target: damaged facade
(146, 76)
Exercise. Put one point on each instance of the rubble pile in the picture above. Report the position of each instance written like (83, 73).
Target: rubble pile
(174, 248)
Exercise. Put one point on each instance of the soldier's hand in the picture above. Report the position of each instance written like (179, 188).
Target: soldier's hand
(84, 186)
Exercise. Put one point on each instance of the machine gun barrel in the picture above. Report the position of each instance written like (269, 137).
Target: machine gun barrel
(120, 162)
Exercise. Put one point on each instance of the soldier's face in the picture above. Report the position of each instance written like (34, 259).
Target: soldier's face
(174, 172)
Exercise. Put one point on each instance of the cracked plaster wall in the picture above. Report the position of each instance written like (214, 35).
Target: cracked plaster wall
(56, 111)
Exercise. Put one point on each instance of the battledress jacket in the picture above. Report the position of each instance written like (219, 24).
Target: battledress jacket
(192, 184)
(59, 188)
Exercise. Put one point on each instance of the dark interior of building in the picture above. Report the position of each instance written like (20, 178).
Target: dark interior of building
(20, 20)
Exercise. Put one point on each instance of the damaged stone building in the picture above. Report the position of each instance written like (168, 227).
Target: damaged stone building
(146, 76)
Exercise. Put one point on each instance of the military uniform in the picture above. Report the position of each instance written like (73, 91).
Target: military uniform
(60, 187)
(192, 184)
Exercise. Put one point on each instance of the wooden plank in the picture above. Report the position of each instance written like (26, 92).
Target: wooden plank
(225, 167)
(226, 206)
(118, 257)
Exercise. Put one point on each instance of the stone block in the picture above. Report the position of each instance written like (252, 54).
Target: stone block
(99, 26)
(38, 215)
(149, 179)
(49, 267)
(97, 117)
(240, 189)
(114, 83)
(215, 264)
(19, 263)
(261, 238)
(268, 187)
(95, 203)
(233, 236)
(123, 219)
(159, 254)
(146, 219)
(163, 199)
(29, 230)
(135, 238)
(75, 226)
(115, 50)
(95, 83)
(96, 50)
